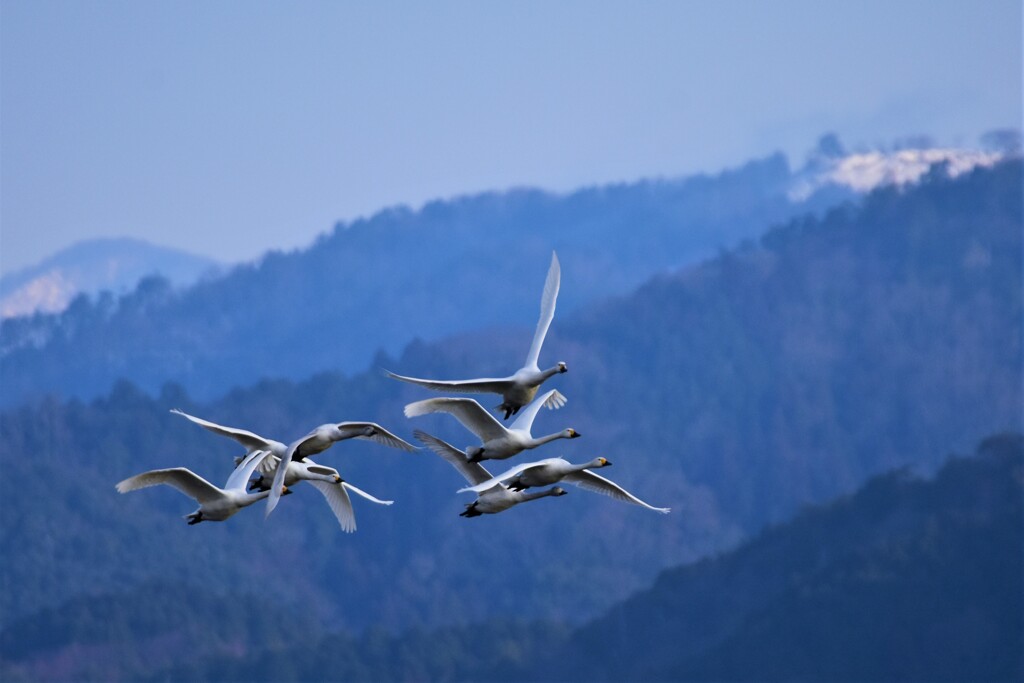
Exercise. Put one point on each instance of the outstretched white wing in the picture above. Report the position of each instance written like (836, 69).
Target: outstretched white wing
(276, 489)
(484, 385)
(509, 473)
(181, 478)
(378, 435)
(474, 472)
(547, 311)
(467, 411)
(341, 504)
(594, 482)
(246, 438)
(529, 413)
(364, 494)
(239, 478)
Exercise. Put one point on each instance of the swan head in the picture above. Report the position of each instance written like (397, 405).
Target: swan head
(571, 433)
(601, 462)
(562, 367)
(558, 491)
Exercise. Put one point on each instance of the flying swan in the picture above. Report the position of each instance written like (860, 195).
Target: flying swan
(554, 470)
(322, 438)
(499, 442)
(215, 504)
(497, 498)
(519, 389)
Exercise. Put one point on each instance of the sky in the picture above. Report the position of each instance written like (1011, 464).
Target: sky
(231, 128)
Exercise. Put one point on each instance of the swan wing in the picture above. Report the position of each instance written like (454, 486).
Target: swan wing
(547, 311)
(467, 411)
(341, 505)
(246, 438)
(282, 467)
(589, 481)
(474, 472)
(509, 473)
(181, 478)
(364, 494)
(529, 413)
(380, 435)
(239, 478)
(484, 385)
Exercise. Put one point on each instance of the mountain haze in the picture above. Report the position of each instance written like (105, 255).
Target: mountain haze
(379, 283)
(114, 265)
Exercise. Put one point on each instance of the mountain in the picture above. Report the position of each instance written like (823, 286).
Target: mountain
(907, 579)
(379, 283)
(735, 391)
(114, 265)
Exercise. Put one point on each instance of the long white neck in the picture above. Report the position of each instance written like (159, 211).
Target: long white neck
(540, 441)
(248, 499)
(550, 372)
(534, 495)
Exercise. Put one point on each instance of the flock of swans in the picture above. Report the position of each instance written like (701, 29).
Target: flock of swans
(259, 473)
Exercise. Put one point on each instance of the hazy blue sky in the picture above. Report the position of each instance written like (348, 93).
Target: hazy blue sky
(229, 128)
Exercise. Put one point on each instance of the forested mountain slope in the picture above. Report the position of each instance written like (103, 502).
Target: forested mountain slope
(908, 579)
(453, 266)
(734, 392)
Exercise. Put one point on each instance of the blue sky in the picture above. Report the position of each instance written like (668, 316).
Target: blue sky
(231, 128)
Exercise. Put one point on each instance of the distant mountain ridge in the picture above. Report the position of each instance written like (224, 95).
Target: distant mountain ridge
(113, 264)
(362, 287)
(377, 284)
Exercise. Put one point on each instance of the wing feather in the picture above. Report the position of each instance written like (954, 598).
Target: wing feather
(181, 478)
(529, 413)
(484, 385)
(364, 494)
(547, 311)
(380, 435)
(339, 502)
(473, 472)
(246, 438)
(595, 483)
(467, 411)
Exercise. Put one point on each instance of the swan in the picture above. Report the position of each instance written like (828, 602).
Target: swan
(499, 442)
(325, 479)
(215, 504)
(518, 389)
(342, 430)
(497, 498)
(322, 438)
(554, 470)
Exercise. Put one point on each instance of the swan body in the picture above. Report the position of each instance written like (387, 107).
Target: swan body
(492, 500)
(215, 504)
(520, 388)
(499, 442)
(554, 470)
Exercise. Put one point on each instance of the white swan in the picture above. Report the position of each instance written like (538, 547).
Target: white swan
(499, 442)
(322, 438)
(215, 504)
(554, 470)
(342, 430)
(497, 498)
(519, 389)
(325, 479)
